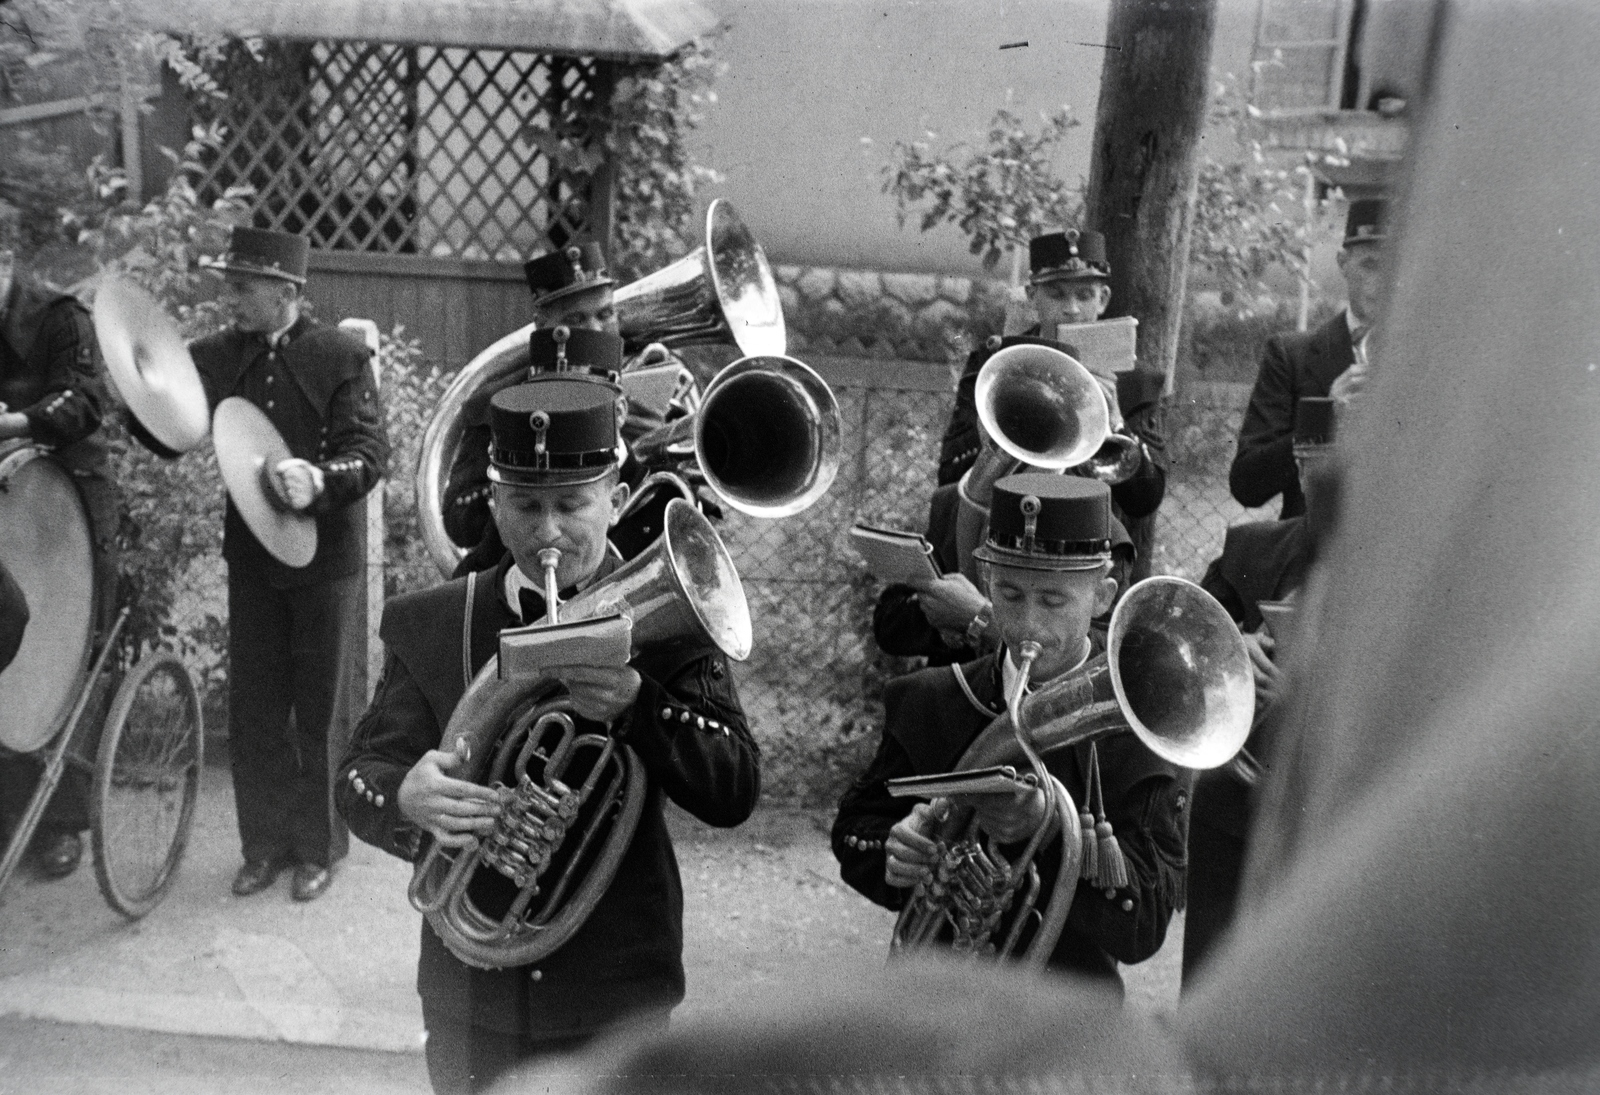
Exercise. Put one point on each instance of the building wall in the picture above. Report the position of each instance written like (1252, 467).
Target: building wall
(817, 92)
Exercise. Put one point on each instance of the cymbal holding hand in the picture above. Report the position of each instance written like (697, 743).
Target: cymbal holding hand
(1348, 384)
(1268, 677)
(455, 811)
(294, 484)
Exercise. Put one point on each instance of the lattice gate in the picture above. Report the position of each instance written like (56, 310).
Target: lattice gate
(404, 150)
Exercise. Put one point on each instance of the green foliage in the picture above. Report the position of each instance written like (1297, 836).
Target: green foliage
(1000, 195)
(1250, 215)
(411, 389)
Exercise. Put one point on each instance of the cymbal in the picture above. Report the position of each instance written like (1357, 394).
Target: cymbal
(247, 442)
(150, 365)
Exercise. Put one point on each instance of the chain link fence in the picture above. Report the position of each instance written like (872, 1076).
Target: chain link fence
(813, 684)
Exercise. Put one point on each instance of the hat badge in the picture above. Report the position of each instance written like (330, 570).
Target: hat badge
(575, 256)
(560, 335)
(540, 421)
(1030, 520)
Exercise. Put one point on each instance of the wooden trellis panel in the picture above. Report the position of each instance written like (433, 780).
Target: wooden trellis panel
(412, 150)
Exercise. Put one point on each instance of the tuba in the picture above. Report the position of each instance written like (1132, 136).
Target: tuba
(1043, 409)
(766, 437)
(722, 292)
(1175, 673)
(570, 800)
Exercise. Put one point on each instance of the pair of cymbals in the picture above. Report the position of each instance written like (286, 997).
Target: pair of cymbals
(150, 365)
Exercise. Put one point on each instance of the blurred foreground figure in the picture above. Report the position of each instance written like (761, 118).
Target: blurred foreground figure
(1422, 907)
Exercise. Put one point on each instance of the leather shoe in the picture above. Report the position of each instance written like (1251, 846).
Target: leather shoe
(310, 881)
(255, 876)
(58, 855)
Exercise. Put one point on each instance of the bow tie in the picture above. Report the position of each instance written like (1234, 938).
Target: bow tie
(532, 604)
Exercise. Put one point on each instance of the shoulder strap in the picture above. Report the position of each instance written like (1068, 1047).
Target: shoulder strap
(466, 631)
(966, 690)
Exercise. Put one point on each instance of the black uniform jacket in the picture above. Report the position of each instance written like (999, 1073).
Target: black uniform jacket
(929, 720)
(50, 372)
(1260, 561)
(899, 624)
(687, 728)
(1135, 497)
(1295, 366)
(318, 390)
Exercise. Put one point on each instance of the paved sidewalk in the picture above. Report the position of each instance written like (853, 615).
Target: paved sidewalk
(761, 902)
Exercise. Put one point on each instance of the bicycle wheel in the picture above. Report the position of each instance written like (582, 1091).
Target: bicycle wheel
(146, 780)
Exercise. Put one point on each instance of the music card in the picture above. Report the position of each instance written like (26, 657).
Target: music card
(894, 556)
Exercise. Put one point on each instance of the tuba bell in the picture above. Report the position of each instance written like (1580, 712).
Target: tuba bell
(722, 292)
(767, 437)
(570, 800)
(1175, 673)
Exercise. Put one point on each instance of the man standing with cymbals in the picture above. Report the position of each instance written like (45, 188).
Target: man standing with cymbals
(293, 631)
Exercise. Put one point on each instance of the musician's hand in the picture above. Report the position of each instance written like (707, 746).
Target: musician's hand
(909, 850)
(1348, 384)
(453, 810)
(950, 602)
(13, 424)
(1268, 677)
(296, 482)
(1008, 818)
(600, 692)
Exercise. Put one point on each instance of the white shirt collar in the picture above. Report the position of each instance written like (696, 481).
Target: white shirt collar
(516, 581)
(1009, 668)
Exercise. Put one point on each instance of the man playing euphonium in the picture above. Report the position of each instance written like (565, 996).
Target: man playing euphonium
(1047, 557)
(553, 464)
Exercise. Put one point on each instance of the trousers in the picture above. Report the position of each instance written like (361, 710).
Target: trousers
(465, 1059)
(292, 700)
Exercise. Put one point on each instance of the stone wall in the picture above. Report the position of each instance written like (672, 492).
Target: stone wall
(904, 317)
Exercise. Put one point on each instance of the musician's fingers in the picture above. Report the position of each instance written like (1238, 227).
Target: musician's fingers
(454, 806)
(910, 845)
(452, 840)
(898, 872)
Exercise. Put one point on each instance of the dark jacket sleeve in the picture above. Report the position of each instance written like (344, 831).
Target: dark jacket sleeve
(1263, 467)
(690, 731)
(1219, 587)
(1139, 399)
(1151, 822)
(396, 730)
(961, 442)
(71, 406)
(866, 814)
(466, 493)
(356, 453)
(901, 628)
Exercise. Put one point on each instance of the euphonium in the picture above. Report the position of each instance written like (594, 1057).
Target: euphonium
(1175, 674)
(766, 437)
(570, 799)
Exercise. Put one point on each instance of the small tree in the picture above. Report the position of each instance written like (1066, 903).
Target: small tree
(1000, 195)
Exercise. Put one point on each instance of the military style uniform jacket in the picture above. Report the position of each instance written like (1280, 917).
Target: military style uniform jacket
(1295, 367)
(929, 720)
(318, 390)
(49, 372)
(690, 733)
(1136, 497)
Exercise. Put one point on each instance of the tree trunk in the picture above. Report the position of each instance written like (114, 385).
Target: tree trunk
(1153, 94)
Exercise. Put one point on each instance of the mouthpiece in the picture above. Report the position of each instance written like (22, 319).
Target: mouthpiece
(549, 559)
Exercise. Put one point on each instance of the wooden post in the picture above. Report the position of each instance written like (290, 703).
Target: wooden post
(367, 331)
(1153, 93)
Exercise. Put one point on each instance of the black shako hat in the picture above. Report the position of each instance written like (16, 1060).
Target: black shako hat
(1314, 424)
(1366, 221)
(1067, 256)
(264, 253)
(572, 269)
(576, 352)
(1039, 521)
(552, 431)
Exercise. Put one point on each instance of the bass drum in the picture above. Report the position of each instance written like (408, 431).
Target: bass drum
(46, 543)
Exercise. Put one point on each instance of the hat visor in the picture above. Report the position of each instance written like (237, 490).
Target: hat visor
(544, 299)
(223, 266)
(1045, 276)
(1375, 237)
(1021, 560)
(551, 477)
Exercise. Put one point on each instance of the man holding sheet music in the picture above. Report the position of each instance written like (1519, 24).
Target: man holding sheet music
(1068, 285)
(1047, 558)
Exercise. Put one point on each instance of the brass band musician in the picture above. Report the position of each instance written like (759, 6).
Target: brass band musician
(1047, 556)
(555, 485)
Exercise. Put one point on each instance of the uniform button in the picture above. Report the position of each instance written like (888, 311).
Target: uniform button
(716, 669)
(700, 722)
(270, 404)
(666, 712)
(1127, 904)
(536, 975)
(1183, 800)
(684, 717)
(1110, 893)
(378, 802)
(270, 379)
